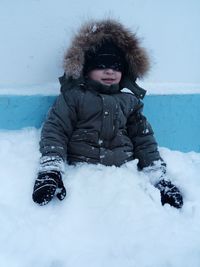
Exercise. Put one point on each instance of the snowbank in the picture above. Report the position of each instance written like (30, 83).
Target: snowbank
(111, 217)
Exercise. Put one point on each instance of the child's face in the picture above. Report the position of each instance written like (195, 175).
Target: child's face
(105, 76)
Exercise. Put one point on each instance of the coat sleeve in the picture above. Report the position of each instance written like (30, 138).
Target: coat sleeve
(58, 127)
(142, 137)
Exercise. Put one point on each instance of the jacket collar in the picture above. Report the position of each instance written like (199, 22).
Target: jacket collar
(133, 86)
(100, 88)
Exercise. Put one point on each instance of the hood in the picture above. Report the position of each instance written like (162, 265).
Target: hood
(92, 34)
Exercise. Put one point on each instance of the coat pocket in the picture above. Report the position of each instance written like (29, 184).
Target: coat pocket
(86, 136)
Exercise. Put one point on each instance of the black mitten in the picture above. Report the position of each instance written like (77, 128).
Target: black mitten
(170, 194)
(46, 186)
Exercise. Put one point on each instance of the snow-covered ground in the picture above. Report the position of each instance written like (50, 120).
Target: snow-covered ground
(112, 216)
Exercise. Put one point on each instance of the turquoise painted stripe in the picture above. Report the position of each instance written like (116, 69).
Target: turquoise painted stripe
(174, 118)
(23, 111)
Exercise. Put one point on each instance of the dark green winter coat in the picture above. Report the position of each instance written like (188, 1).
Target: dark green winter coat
(96, 123)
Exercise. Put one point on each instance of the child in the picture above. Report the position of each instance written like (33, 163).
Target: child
(97, 117)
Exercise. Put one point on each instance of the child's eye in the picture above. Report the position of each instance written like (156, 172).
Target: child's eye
(101, 66)
(116, 66)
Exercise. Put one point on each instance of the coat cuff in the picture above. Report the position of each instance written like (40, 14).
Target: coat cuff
(156, 171)
(51, 163)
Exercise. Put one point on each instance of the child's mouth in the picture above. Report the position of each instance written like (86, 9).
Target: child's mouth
(108, 81)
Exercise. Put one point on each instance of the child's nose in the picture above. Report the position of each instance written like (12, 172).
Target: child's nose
(109, 70)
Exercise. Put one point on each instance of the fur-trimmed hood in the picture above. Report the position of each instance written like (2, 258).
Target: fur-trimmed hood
(93, 34)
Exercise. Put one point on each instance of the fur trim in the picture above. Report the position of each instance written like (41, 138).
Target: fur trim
(93, 34)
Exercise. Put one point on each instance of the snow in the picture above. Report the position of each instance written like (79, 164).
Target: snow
(31, 90)
(110, 217)
(170, 88)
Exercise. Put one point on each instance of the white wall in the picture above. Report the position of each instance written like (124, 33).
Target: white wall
(35, 34)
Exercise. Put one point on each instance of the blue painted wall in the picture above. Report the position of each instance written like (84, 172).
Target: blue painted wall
(23, 111)
(174, 118)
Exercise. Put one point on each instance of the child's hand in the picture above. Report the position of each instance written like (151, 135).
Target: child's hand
(46, 185)
(170, 194)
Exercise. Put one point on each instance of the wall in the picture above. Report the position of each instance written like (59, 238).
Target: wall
(35, 34)
(175, 118)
